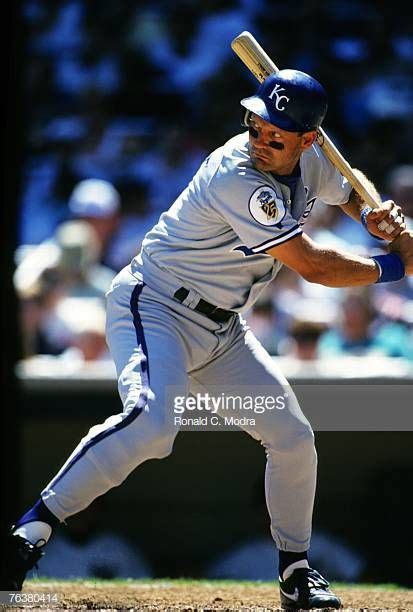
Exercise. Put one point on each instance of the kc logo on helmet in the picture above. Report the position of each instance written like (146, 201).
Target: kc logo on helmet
(279, 98)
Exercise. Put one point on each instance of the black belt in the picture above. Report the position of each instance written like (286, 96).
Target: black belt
(219, 315)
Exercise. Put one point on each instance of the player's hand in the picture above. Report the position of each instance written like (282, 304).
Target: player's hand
(387, 221)
(403, 246)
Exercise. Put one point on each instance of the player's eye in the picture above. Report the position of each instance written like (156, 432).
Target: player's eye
(253, 131)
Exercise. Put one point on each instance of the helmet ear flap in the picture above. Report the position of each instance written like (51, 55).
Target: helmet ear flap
(245, 119)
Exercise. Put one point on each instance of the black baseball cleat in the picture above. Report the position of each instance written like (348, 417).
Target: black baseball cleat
(306, 589)
(21, 556)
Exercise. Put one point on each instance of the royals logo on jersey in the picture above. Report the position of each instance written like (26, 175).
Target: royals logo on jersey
(266, 207)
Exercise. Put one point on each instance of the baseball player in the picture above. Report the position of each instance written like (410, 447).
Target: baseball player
(174, 320)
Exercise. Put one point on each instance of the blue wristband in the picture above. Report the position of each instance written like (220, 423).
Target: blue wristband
(391, 267)
(363, 218)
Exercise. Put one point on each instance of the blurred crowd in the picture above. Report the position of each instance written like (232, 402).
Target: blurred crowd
(124, 102)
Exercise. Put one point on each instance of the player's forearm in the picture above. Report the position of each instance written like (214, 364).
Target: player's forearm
(353, 207)
(333, 268)
(355, 203)
(326, 266)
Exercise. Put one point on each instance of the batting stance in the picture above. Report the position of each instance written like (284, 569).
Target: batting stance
(173, 319)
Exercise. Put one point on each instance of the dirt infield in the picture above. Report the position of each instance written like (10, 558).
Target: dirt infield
(199, 596)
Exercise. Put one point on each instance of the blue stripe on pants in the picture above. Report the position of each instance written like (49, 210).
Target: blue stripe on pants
(143, 395)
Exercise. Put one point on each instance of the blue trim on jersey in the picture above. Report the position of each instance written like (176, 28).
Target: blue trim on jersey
(143, 395)
(277, 239)
(286, 240)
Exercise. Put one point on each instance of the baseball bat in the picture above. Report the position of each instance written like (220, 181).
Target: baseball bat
(261, 65)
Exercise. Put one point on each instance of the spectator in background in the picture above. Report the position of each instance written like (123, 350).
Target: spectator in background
(90, 342)
(79, 262)
(360, 332)
(308, 319)
(71, 257)
(354, 331)
(296, 335)
(305, 336)
(263, 321)
(53, 273)
(77, 325)
(98, 203)
(37, 303)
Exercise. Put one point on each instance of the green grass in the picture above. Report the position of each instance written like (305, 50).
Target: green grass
(196, 582)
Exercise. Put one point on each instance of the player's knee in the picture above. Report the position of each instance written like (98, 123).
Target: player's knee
(163, 447)
(303, 445)
(159, 446)
(297, 438)
(302, 439)
(160, 434)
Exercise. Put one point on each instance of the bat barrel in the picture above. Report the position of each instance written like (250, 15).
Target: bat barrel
(253, 55)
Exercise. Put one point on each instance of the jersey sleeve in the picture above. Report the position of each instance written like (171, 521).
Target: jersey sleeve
(334, 188)
(255, 209)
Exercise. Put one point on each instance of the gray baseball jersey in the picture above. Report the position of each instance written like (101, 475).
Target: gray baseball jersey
(215, 236)
(211, 241)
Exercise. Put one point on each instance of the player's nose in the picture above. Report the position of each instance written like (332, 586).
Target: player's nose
(260, 142)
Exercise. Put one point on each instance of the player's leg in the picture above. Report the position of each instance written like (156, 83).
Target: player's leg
(141, 340)
(150, 356)
(247, 370)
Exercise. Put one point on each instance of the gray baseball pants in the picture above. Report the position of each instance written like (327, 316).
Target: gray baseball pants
(159, 344)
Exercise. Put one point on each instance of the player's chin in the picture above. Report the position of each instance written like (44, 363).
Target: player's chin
(261, 163)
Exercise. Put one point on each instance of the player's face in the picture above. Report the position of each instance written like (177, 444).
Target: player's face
(275, 150)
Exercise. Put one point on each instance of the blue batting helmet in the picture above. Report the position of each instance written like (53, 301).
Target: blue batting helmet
(290, 99)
